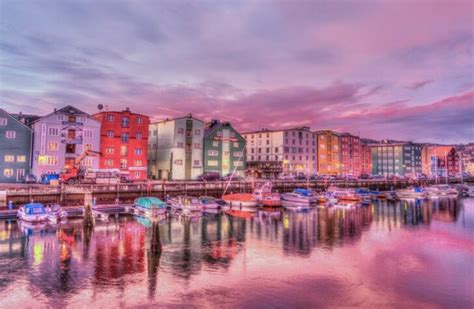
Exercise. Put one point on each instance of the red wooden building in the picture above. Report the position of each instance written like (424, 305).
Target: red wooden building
(124, 142)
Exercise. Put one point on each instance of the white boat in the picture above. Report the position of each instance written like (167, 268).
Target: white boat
(295, 206)
(441, 191)
(185, 204)
(266, 197)
(300, 197)
(209, 202)
(33, 212)
(415, 192)
(149, 206)
(56, 214)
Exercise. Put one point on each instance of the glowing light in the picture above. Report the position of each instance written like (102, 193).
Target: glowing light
(37, 254)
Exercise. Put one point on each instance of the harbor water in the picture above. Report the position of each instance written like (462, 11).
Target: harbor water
(388, 254)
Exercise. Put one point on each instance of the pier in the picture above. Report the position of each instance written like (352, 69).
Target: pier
(104, 194)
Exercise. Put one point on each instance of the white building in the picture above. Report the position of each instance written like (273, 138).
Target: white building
(289, 151)
(61, 137)
(175, 149)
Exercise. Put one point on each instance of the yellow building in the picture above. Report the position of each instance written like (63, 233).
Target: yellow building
(329, 152)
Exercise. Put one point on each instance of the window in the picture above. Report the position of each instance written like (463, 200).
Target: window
(138, 151)
(123, 163)
(236, 145)
(238, 154)
(20, 158)
(276, 149)
(3, 121)
(124, 137)
(197, 146)
(110, 117)
(87, 147)
(123, 150)
(72, 119)
(180, 145)
(109, 150)
(178, 162)
(215, 143)
(87, 161)
(197, 163)
(197, 132)
(9, 158)
(70, 148)
(213, 153)
(8, 172)
(110, 133)
(180, 131)
(125, 122)
(238, 163)
(109, 162)
(52, 160)
(212, 163)
(71, 134)
(139, 120)
(138, 135)
(53, 146)
(137, 163)
(10, 134)
(88, 133)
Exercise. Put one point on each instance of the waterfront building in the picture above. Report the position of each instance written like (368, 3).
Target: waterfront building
(350, 155)
(62, 137)
(466, 153)
(440, 161)
(329, 152)
(15, 148)
(224, 149)
(288, 151)
(396, 158)
(365, 158)
(124, 142)
(175, 148)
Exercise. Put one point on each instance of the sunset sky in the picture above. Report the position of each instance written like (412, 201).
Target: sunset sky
(383, 69)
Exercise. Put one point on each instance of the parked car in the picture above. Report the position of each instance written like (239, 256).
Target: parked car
(29, 178)
(350, 178)
(209, 176)
(126, 179)
(232, 177)
(377, 177)
(364, 176)
(286, 177)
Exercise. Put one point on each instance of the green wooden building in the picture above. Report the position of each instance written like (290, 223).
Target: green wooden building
(15, 148)
(224, 149)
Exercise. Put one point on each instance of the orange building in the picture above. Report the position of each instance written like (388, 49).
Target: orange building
(329, 152)
(124, 142)
(350, 155)
(437, 160)
(365, 159)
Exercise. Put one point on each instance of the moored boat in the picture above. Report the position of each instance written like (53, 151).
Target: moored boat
(56, 214)
(32, 212)
(149, 206)
(415, 192)
(240, 200)
(209, 202)
(299, 197)
(266, 197)
(185, 204)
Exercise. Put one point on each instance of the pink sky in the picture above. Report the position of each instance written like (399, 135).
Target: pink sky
(384, 69)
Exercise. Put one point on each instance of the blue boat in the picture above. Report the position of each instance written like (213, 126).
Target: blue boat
(33, 212)
(150, 206)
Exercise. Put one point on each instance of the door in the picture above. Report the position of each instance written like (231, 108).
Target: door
(20, 174)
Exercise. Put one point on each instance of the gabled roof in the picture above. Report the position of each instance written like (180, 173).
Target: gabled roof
(210, 131)
(68, 109)
(441, 151)
(13, 118)
(173, 119)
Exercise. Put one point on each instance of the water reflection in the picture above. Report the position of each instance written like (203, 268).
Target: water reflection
(56, 263)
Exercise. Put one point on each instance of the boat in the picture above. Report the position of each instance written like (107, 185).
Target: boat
(33, 212)
(56, 213)
(185, 204)
(209, 202)
(265, 197)
(149, 206)
(240, 199)
(441, 191)
(415, 192)
(299, 197)
(328, 198)
(349, 195)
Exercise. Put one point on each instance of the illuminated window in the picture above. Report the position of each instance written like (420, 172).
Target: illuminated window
(110, 134)
(9, 158)
(10, 134)
(137, 163)
(53, 146)
(138, 135)
(109, 150)
(178, 162)
(138, 151)
(8, 172)
(20, 158)
(139, 120)
(109, 162)
(212, 163)
(213, 153)
(110, 117)
(3, 121)
(52, 160)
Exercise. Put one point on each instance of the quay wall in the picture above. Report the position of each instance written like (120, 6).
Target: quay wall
(66, 195)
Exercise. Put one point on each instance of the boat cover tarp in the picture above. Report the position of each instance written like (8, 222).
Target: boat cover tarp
(304, 192)
(150, 202)
(34, 209)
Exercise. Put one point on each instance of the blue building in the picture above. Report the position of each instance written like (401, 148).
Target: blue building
(15, 148)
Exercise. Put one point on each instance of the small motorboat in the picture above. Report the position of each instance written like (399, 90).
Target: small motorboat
(240, 200)
(185, 204)
(56, 214)
(149, 206)
(349, 195)
(209, 202)
(299, 197)
(441, 191)
(410, 193)
(33, 212)
(266, 197)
